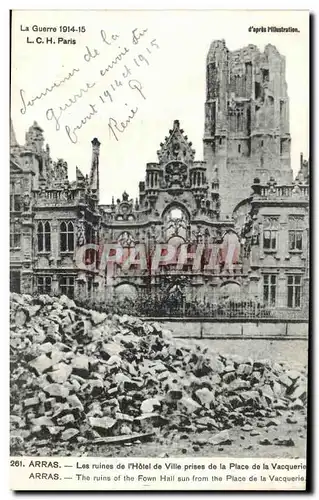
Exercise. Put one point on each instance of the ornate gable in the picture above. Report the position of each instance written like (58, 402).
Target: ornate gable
(176, 147)
(57, 173)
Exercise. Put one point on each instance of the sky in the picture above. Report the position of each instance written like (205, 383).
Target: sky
(158, 74)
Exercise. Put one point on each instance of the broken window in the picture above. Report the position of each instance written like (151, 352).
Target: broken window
(265, 73)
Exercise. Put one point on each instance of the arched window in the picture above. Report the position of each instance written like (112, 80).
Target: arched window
(44, 237)
(66, 237)
(176, 222)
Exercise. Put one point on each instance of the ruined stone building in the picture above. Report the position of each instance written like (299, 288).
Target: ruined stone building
(243, 193)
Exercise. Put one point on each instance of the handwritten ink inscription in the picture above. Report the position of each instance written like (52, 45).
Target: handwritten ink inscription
(30, 102)
(119, 72)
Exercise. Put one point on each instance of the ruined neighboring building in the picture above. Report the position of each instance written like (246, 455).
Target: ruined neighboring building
(242, 195)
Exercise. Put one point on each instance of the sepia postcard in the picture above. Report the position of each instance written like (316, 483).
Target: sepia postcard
(159, 250)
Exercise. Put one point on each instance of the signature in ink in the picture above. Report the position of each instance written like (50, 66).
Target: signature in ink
(115, 127)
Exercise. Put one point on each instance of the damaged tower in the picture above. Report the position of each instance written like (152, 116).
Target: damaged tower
(246, 120)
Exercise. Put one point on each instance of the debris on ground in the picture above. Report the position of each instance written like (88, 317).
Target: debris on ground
(80, 377)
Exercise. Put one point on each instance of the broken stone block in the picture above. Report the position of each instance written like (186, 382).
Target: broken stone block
(150, 420)
(20, 318)
(29, 402)
(97, 317)
(244, 370)
(112, 391)
(256, 377)
(265, 442)
(42, 421)
(120, 378)
(56, 390)
(216, 365)
(296, 405)
(150, 405)
(291, 420)
(280, 405)
(273, 421)
(174, 394)
(188, 405)
(284, 442)
(229, 377)
(207, 422)
(69, 434)
(102, 423)
(74, 402)
(220, 438)
(46, 347)
(235, 401)
(238, 384)
(111, 349)
(205, 396)
(80, 366)
(56, 430)
(41, 364)
(56, 356)
(255, 433)
(247, 428)
(125, 430)
(285, 380)
(163, 376)
(300, 393)
(159, 367)
(261, 364)
(16, 419)
(215, 379)
(61, 373)
(237, 360)
(122, 417)
(229, 368)
(250, 397)
(277, 389)
(114, 360)
(66, 419)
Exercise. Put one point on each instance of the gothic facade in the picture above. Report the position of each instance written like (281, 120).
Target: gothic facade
(242, 196)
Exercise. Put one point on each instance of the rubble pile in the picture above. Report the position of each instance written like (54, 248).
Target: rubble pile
(80, 377)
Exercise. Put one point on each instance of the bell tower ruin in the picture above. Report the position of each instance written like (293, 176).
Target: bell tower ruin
(246, 120)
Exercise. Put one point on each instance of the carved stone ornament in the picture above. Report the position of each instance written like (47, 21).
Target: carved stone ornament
(80, 233)
(26, 202)
(176, 147)
(176, 174)
(126, 240)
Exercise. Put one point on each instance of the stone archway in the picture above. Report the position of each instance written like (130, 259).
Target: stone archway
(230, 290)
(125, 291)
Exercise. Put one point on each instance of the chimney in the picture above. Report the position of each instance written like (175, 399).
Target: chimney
(95, 175)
